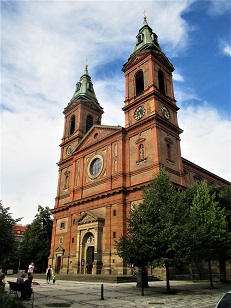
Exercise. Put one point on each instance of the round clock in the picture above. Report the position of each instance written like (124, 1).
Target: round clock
(69, 150)
(165, 112)
(139, 112)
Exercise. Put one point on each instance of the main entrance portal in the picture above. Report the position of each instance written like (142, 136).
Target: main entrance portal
(89, 259)
(89, 239)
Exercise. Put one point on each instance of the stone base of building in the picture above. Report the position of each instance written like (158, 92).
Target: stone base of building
(194, 271)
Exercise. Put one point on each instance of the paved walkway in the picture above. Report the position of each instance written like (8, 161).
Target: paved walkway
(76, 294)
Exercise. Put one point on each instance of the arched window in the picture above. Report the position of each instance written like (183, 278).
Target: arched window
(90, 86)
(161, 82)
(139, 38)
(72, 125)
(78, 85)
(89, 122)
(139, 83)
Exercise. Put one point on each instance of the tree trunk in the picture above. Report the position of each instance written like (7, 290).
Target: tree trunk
(222, 268)
(199, 271)
(210, 274)
(167, 278)
(142, 277)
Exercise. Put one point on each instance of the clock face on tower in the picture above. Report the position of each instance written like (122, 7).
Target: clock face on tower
(69, 150)
(139, 112)
(165, 112)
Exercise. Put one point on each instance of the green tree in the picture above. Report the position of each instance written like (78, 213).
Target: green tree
(223, 196)
(36, 241)
(156, 232)
(7, 238)
(207, 226)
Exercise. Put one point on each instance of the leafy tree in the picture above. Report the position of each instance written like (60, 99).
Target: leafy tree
(223, 196)
(36, 241)
(208, 227)
(7, 238)
(156, 230)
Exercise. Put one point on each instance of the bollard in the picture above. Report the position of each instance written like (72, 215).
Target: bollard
(102, 298)
(142, 289)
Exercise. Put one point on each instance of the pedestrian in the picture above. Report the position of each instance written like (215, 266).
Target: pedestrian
(28, 289)
(30, 269)
(49, 273)
(21, 278)
(87, 268)
(53, 278)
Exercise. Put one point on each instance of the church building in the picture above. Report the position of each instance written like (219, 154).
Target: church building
(102, 169)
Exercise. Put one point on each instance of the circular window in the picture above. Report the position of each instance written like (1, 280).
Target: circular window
(95, 166)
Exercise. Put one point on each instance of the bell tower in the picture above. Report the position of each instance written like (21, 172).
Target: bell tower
(82, 112)
(150, 102)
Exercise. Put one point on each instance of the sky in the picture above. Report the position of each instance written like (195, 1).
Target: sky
(44, 49)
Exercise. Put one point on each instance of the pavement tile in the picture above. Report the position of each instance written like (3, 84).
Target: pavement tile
(125, 295)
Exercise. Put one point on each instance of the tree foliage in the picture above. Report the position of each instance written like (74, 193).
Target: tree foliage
(171, 228)
(36, 241)
(208, 227)
(156, 228)
(7, 237)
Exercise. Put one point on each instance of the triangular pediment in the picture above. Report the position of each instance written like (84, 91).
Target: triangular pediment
(89, 217)
(134, 59)
(96, 134)
(93, 104)
(137, 57)
(59, 249)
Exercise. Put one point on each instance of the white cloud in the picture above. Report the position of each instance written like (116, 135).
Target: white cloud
(184, 95)
(218, 7)
(227, 50)
(224, 47)
(206, 139)
(177, 76)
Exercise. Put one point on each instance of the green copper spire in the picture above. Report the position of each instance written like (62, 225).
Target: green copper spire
(84, 88)
(146, 38)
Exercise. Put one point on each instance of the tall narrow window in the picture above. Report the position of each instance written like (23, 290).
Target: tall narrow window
(89, 122)
(139, 38)
(90, 86)
(139, 83)
(161, 82)
(72, 125)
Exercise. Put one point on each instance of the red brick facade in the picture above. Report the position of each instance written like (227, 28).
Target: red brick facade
(102, 169)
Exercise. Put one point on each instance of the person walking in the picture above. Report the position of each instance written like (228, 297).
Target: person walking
(49, 273)
(30, 269)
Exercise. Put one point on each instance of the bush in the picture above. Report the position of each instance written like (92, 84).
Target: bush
(8, 302)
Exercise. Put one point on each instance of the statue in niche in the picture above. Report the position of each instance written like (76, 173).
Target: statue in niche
(141, 152)
(67, 180)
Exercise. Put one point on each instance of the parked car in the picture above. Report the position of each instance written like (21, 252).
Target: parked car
(225, 301)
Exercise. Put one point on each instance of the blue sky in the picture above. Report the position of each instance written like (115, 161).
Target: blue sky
(45, 45)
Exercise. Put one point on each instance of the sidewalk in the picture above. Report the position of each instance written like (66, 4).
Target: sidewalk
(76, 294)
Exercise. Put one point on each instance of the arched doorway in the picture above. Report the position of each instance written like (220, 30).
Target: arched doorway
(89, 243)
(88, 251)
(59, 252)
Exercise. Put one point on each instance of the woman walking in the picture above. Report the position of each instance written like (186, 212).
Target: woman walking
(49, 273)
